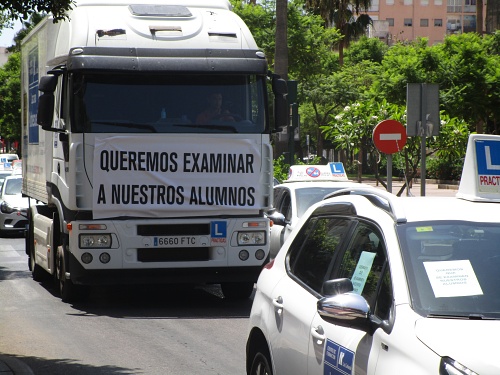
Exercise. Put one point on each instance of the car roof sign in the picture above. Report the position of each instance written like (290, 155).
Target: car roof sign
(329, 172)
(480, 179)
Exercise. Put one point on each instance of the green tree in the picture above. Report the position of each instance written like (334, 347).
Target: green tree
(23, 9)
(10, 98)
(345, 15)
(468, 79)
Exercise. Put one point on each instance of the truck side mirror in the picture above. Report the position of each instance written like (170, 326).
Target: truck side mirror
(281, 107)
(45, 114)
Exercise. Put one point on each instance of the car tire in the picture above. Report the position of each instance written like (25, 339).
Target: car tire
(235, 291)
(261, 365)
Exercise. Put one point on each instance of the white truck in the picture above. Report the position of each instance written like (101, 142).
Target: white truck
(130, 186)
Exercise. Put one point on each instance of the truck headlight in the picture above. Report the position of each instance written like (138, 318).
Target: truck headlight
(449, 366)
(95, 241)
(251, 238)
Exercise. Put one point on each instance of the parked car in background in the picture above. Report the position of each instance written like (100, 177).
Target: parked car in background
(3, 175)
(13, 206)
(306, 185)
(7, 161)
(371, 283)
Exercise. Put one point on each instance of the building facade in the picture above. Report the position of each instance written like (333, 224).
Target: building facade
(405, 20)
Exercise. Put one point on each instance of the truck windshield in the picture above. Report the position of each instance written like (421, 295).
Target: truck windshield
(170, 104)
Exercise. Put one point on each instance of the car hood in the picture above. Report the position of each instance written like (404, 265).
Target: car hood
(469, 342)
(17, 200)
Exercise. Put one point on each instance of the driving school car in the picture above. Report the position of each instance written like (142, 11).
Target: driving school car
(371, 283)
(306, 185)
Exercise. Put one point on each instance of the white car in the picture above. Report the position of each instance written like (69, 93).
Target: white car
(13, 206)
(370, 283)
(306, 185)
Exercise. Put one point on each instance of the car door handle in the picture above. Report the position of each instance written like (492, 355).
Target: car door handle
(319, 334)
(278, 304)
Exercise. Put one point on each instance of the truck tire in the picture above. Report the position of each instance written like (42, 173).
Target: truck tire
(236, 291)
(37, 272)
(67, 289)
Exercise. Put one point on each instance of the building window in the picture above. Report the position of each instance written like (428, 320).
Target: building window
(424, 2)
(408, 2)
(389, 2)
(390, 21)
(408, 22)
(453, 25)
(374, 6)
(438, 22)
(438, 2)
(424, 22)
(454, 6)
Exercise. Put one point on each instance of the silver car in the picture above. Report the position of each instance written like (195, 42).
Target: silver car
(13, 206)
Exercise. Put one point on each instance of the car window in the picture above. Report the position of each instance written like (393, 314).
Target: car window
(286, 205)
(364, 261)
(313, 250)
(13, 186)
(306, 197)
(452, 267)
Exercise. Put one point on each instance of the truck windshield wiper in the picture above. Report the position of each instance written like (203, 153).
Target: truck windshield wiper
(229, 128)
(127, 124)
(465, 316)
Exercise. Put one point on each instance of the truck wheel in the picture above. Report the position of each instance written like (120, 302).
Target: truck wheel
(261, 365)
(66, 287)
(237, 290)
(37, 272)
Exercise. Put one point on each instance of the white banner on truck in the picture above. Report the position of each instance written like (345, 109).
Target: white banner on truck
(133, 176)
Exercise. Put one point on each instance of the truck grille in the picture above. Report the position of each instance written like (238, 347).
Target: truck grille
(184, 254)
(174, 230)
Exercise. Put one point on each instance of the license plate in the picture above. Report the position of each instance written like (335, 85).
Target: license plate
(174, 241)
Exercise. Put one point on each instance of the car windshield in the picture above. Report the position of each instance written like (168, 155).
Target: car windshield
(306, 197)
(170, 104)
(13, 186)
(453, 268)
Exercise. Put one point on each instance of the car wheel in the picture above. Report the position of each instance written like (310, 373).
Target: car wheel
(237, 290)
(261, 365)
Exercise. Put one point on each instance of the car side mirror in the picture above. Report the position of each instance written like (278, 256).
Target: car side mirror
(278, 218)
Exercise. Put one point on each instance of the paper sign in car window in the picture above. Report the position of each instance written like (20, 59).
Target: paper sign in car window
(362, 270)
(454, 278)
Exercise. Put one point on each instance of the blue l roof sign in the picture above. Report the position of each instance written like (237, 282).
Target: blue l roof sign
(488, 158)
(481, 173)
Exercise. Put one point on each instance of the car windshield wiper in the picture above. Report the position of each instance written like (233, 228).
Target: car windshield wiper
(465, 316)
(127, 124)
(229, 128)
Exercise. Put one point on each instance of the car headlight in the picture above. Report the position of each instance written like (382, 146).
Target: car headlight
(251, 238)
(7, 208)
(449, 366)
(95, 241)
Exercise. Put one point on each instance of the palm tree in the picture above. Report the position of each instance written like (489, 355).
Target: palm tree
(281, 47)
(345, 15)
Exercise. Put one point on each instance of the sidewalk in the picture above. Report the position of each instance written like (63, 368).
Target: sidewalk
(431, 189)
(13, 366)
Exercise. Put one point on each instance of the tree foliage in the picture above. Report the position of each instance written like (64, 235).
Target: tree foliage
(10, 98)
(23, 9)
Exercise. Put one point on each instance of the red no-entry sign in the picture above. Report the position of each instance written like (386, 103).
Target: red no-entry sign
(389, 136)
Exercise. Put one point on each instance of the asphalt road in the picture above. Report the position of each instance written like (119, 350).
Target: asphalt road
(138, 330)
